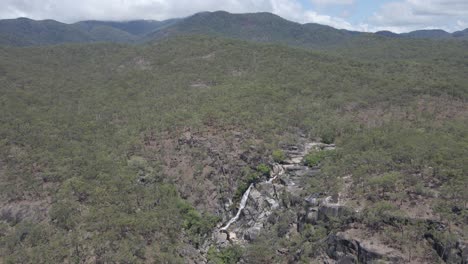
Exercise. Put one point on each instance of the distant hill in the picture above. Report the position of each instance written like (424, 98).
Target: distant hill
(434, 34)
(27, 32)
(386, 33)
(103, 32)
(429, 34)
(135, 27)
(258, 27)
(463, 34)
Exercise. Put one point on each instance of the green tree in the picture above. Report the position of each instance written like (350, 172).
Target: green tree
(263, 169)
(278, 155)
(385, 183)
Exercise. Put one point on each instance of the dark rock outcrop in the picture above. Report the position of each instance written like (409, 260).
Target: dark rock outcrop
(451, 251)
(346, 250)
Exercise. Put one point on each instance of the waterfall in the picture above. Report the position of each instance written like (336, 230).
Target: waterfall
(241, 207)
(277, 171)
(293, 162)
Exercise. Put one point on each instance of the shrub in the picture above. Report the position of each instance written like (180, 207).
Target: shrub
(263, 169)
(252, 178)
(379, 213)
(314, 158)
(227, 255)
(282, 226)
(328, 137)
(198, 225)
(241, 190)
(64, 214)
(278, 155)
(386, 182)
(137, 163)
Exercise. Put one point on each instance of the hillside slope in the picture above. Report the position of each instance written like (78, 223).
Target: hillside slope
(258, 27)
(134, 27)
(27, 32)
(434, 34)
(138, 153)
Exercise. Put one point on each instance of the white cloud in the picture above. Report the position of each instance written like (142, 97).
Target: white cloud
(462, 24)
(440, 7)
(73, 10)
(335, 22)
(332, 2)
(407, 15)
(294, 11)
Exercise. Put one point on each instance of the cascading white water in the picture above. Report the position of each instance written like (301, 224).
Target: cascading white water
(241, 207)
(277, 171)
(293, 162)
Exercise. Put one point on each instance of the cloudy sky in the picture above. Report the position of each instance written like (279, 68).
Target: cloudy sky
(362, 15)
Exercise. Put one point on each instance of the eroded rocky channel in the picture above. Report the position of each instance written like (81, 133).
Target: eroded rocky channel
(290, 178)
(262, 199)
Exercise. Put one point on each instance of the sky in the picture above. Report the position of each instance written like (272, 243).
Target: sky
(361, 15)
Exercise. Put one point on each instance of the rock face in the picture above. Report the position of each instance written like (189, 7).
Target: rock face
(263, 200)
(344, 249)
(286, 179)
(327, 211)
(204, 180)
(284, 193)
(455, 252)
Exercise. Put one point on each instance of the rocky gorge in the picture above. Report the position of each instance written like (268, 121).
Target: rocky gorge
(261, 199)
(284, 191)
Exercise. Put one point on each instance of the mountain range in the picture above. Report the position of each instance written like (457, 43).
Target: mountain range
(259, 27)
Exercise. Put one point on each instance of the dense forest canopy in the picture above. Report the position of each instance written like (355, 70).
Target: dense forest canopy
(76, 120)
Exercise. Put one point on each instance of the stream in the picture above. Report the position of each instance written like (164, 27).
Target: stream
(261, 199)
(278, 170)
(242, 204)
(295, 158)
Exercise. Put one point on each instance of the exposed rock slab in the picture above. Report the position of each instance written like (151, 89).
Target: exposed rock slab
(344, 247)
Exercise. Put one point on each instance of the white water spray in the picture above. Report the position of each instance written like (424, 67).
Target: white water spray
(243, 202)
(277, 171)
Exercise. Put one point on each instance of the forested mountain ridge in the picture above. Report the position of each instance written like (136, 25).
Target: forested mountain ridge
(134, 27)
(28, 32)
(427, 34)
(259, 27)
(139, 153)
